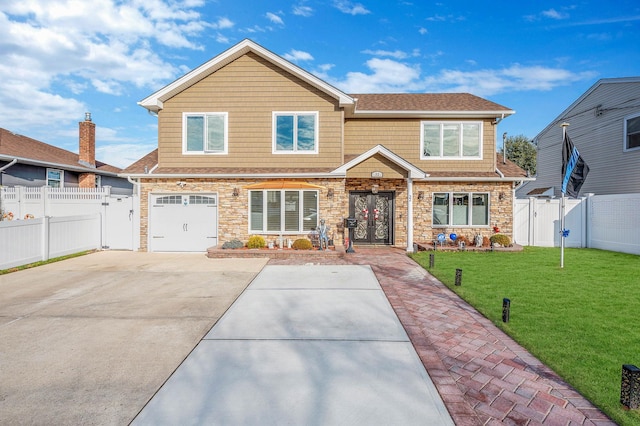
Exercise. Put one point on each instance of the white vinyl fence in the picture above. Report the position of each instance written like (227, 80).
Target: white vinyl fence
(607, 222)
(118, 224)
(33, 240)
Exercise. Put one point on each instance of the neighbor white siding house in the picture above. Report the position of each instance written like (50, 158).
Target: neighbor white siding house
(604, 125)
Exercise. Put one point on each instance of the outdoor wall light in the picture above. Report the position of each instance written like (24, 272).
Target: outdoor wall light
(236, 192)
(501, 196)
(330, 193)
(420, 195)
(374, 189)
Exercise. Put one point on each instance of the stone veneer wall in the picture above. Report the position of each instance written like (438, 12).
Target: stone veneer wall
(233, 210)
(500, 211)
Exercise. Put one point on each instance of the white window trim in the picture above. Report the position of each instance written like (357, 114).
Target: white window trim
(61, 176)
(624, 135)
(225, 151)
(274, 127)
(282, 230)
(460, 157)
(470, 194)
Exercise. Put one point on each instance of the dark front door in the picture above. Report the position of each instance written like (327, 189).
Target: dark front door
(374, 213)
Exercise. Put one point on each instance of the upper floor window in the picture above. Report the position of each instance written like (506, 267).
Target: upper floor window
(460, 209)
(55, 178)
(205, 133)
(632, 132)
(295, 132)
(451, 140)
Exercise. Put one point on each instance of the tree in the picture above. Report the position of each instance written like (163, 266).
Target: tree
(523, 152)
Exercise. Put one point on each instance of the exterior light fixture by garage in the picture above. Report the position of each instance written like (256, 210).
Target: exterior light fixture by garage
(236, 192)
(330, 193)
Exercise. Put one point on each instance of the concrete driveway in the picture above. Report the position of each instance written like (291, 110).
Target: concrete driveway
(90, 340)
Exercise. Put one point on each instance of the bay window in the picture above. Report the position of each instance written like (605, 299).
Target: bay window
(460, 209)
(283, 211)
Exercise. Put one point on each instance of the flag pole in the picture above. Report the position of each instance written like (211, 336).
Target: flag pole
(562, 204)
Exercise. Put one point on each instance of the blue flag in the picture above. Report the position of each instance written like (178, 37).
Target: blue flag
(574, 169)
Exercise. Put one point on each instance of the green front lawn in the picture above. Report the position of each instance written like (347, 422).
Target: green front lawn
(583, 320)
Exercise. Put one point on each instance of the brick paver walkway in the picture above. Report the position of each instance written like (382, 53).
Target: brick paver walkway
(483, 376)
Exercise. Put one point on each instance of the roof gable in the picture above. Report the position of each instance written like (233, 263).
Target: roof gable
(601, 82)
(155, 101)
(413, 171)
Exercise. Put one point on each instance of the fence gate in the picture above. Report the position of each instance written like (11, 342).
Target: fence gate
(537, 222)
(118, 232)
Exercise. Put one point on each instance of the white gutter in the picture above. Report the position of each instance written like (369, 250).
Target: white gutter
(242, 176)
(476, 179)
(6, 166)
(500, 173)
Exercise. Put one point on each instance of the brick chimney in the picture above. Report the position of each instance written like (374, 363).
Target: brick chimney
(87, 151)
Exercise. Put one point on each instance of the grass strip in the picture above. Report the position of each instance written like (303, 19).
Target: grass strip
(580, 320)
(43, 262)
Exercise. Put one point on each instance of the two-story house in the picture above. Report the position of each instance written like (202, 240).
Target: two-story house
(249, 143)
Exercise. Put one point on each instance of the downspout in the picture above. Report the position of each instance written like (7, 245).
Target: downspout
(6, 166)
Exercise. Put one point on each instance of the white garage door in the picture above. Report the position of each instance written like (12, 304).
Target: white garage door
(183, 222)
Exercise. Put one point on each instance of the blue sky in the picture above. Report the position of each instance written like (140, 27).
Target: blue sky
(61, 58)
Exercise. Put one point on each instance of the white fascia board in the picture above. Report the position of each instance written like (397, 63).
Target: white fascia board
(234, 175)
(414, 172)
(478, 179)
(154, 102)
(432, 114)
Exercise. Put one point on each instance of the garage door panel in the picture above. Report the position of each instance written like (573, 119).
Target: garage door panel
(183, 222)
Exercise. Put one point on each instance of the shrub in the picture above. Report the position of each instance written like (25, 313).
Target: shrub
(233, 244)
(256, 242)
(486, 242)
(501, 239)
(463, 239)
(302, 244)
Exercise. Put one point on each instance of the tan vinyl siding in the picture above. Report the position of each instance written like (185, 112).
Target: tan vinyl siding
(250, 89)
(402, 136)
(599, 138)
(377, 163)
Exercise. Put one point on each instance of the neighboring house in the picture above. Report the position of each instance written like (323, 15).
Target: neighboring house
(604, 125)
(249, 143)
(31, 163)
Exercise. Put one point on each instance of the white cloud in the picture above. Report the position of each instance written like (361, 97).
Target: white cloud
(388, 76)
(554, 14)
(516, 78)
(274, 18)
(423, 30)
(346, 6)
(397, 54)
(56, 50)
(223, 23)
(302, 10)
(297, 55)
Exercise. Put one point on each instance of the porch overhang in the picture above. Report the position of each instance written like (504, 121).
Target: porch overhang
(413, 172)
(283, 184)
